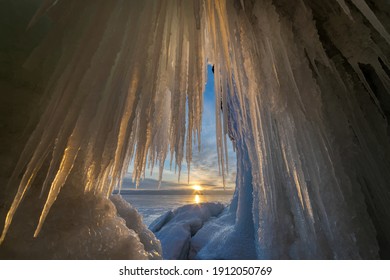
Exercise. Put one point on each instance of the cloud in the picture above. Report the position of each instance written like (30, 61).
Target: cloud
(151, 184)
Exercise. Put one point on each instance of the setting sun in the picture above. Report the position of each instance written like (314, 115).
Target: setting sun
(197, 188)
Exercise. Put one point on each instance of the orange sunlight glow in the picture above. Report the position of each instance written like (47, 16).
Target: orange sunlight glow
(197, 188)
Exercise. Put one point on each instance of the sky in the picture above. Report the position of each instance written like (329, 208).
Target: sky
(204, 166)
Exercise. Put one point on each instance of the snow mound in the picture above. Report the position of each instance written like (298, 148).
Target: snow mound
(83, 227)
(176, 228)
(134, 222)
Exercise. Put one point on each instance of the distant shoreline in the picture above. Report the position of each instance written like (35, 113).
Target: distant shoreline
(174, 192)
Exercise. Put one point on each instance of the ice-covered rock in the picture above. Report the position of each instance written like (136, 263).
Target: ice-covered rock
(221, 239)
(134, 221)
(176, 228)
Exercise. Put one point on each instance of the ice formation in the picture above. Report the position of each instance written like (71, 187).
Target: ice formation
(175, 229)
(302, 88)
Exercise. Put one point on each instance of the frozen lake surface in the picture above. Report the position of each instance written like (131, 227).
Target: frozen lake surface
(153, 206)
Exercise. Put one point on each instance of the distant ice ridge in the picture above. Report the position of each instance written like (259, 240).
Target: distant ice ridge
(302, 88)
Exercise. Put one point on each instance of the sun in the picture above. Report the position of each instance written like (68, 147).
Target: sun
(197, 188)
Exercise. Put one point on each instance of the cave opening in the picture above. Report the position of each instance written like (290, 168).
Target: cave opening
(204, 182)
(304, 91)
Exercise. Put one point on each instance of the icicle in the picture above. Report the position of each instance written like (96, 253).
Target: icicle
(60, 178)
(371, 17)
(242, 4)
(45, 6)
(345, 8)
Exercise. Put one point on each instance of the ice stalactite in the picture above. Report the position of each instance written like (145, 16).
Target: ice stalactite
(301, 87)
(305, 148)
(85, 125)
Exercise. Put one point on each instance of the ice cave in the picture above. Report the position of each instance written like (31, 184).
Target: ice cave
(302, 88)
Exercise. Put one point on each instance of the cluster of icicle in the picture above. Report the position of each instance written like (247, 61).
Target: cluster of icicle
(128, 86)
(129, 76)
